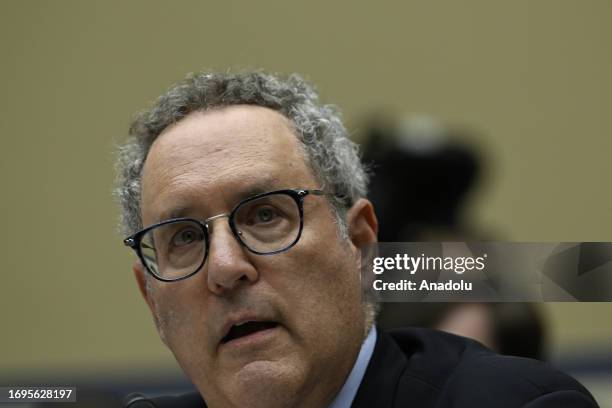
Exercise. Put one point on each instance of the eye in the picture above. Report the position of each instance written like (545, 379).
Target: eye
(263, 215)
(186, 237)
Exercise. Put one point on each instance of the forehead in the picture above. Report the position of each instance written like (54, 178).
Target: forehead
(221, 154)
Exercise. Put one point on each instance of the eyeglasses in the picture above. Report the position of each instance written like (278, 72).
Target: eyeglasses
(265, 224)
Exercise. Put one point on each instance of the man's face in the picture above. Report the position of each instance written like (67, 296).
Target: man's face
(311, 294)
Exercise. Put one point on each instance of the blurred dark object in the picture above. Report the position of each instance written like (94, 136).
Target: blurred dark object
(516, 329)
(519, 330)
(422, 174)
(136, 400)
(420, 180)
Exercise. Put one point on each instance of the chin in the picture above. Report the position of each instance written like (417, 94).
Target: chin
(265, 384)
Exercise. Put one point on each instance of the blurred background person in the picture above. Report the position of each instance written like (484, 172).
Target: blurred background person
(423, 173)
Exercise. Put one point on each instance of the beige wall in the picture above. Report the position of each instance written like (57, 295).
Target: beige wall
(532, 77)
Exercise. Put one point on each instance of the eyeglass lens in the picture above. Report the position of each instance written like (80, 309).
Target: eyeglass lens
(266, 224)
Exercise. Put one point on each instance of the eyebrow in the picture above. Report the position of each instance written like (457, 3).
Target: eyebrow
(237, 196)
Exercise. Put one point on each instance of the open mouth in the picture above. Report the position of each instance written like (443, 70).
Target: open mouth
(246, 329)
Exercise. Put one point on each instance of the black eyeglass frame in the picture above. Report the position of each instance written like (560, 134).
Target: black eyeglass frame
(298, 195)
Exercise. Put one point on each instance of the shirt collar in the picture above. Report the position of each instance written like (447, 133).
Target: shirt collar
(347, 393)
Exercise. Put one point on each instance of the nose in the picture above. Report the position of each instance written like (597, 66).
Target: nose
(227, 263)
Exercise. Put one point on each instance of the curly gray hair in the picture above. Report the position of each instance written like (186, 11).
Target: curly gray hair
(333, 158)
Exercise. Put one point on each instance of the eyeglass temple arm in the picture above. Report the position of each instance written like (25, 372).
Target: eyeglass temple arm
(323, 193)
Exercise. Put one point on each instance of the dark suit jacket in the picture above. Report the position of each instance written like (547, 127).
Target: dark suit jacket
(421, 368)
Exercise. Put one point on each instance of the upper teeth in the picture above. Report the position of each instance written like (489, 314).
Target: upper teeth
(241, 323)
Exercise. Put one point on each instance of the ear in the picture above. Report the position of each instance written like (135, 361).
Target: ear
(362, 223)
(141, 279)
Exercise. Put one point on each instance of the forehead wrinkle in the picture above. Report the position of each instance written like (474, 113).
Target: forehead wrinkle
(205, 152)
(182, 190)
(193, 192)
(225, 151)
(189, 173)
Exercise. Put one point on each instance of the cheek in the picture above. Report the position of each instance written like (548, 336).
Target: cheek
(329, 259)
(319, 283)
(181, 327)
